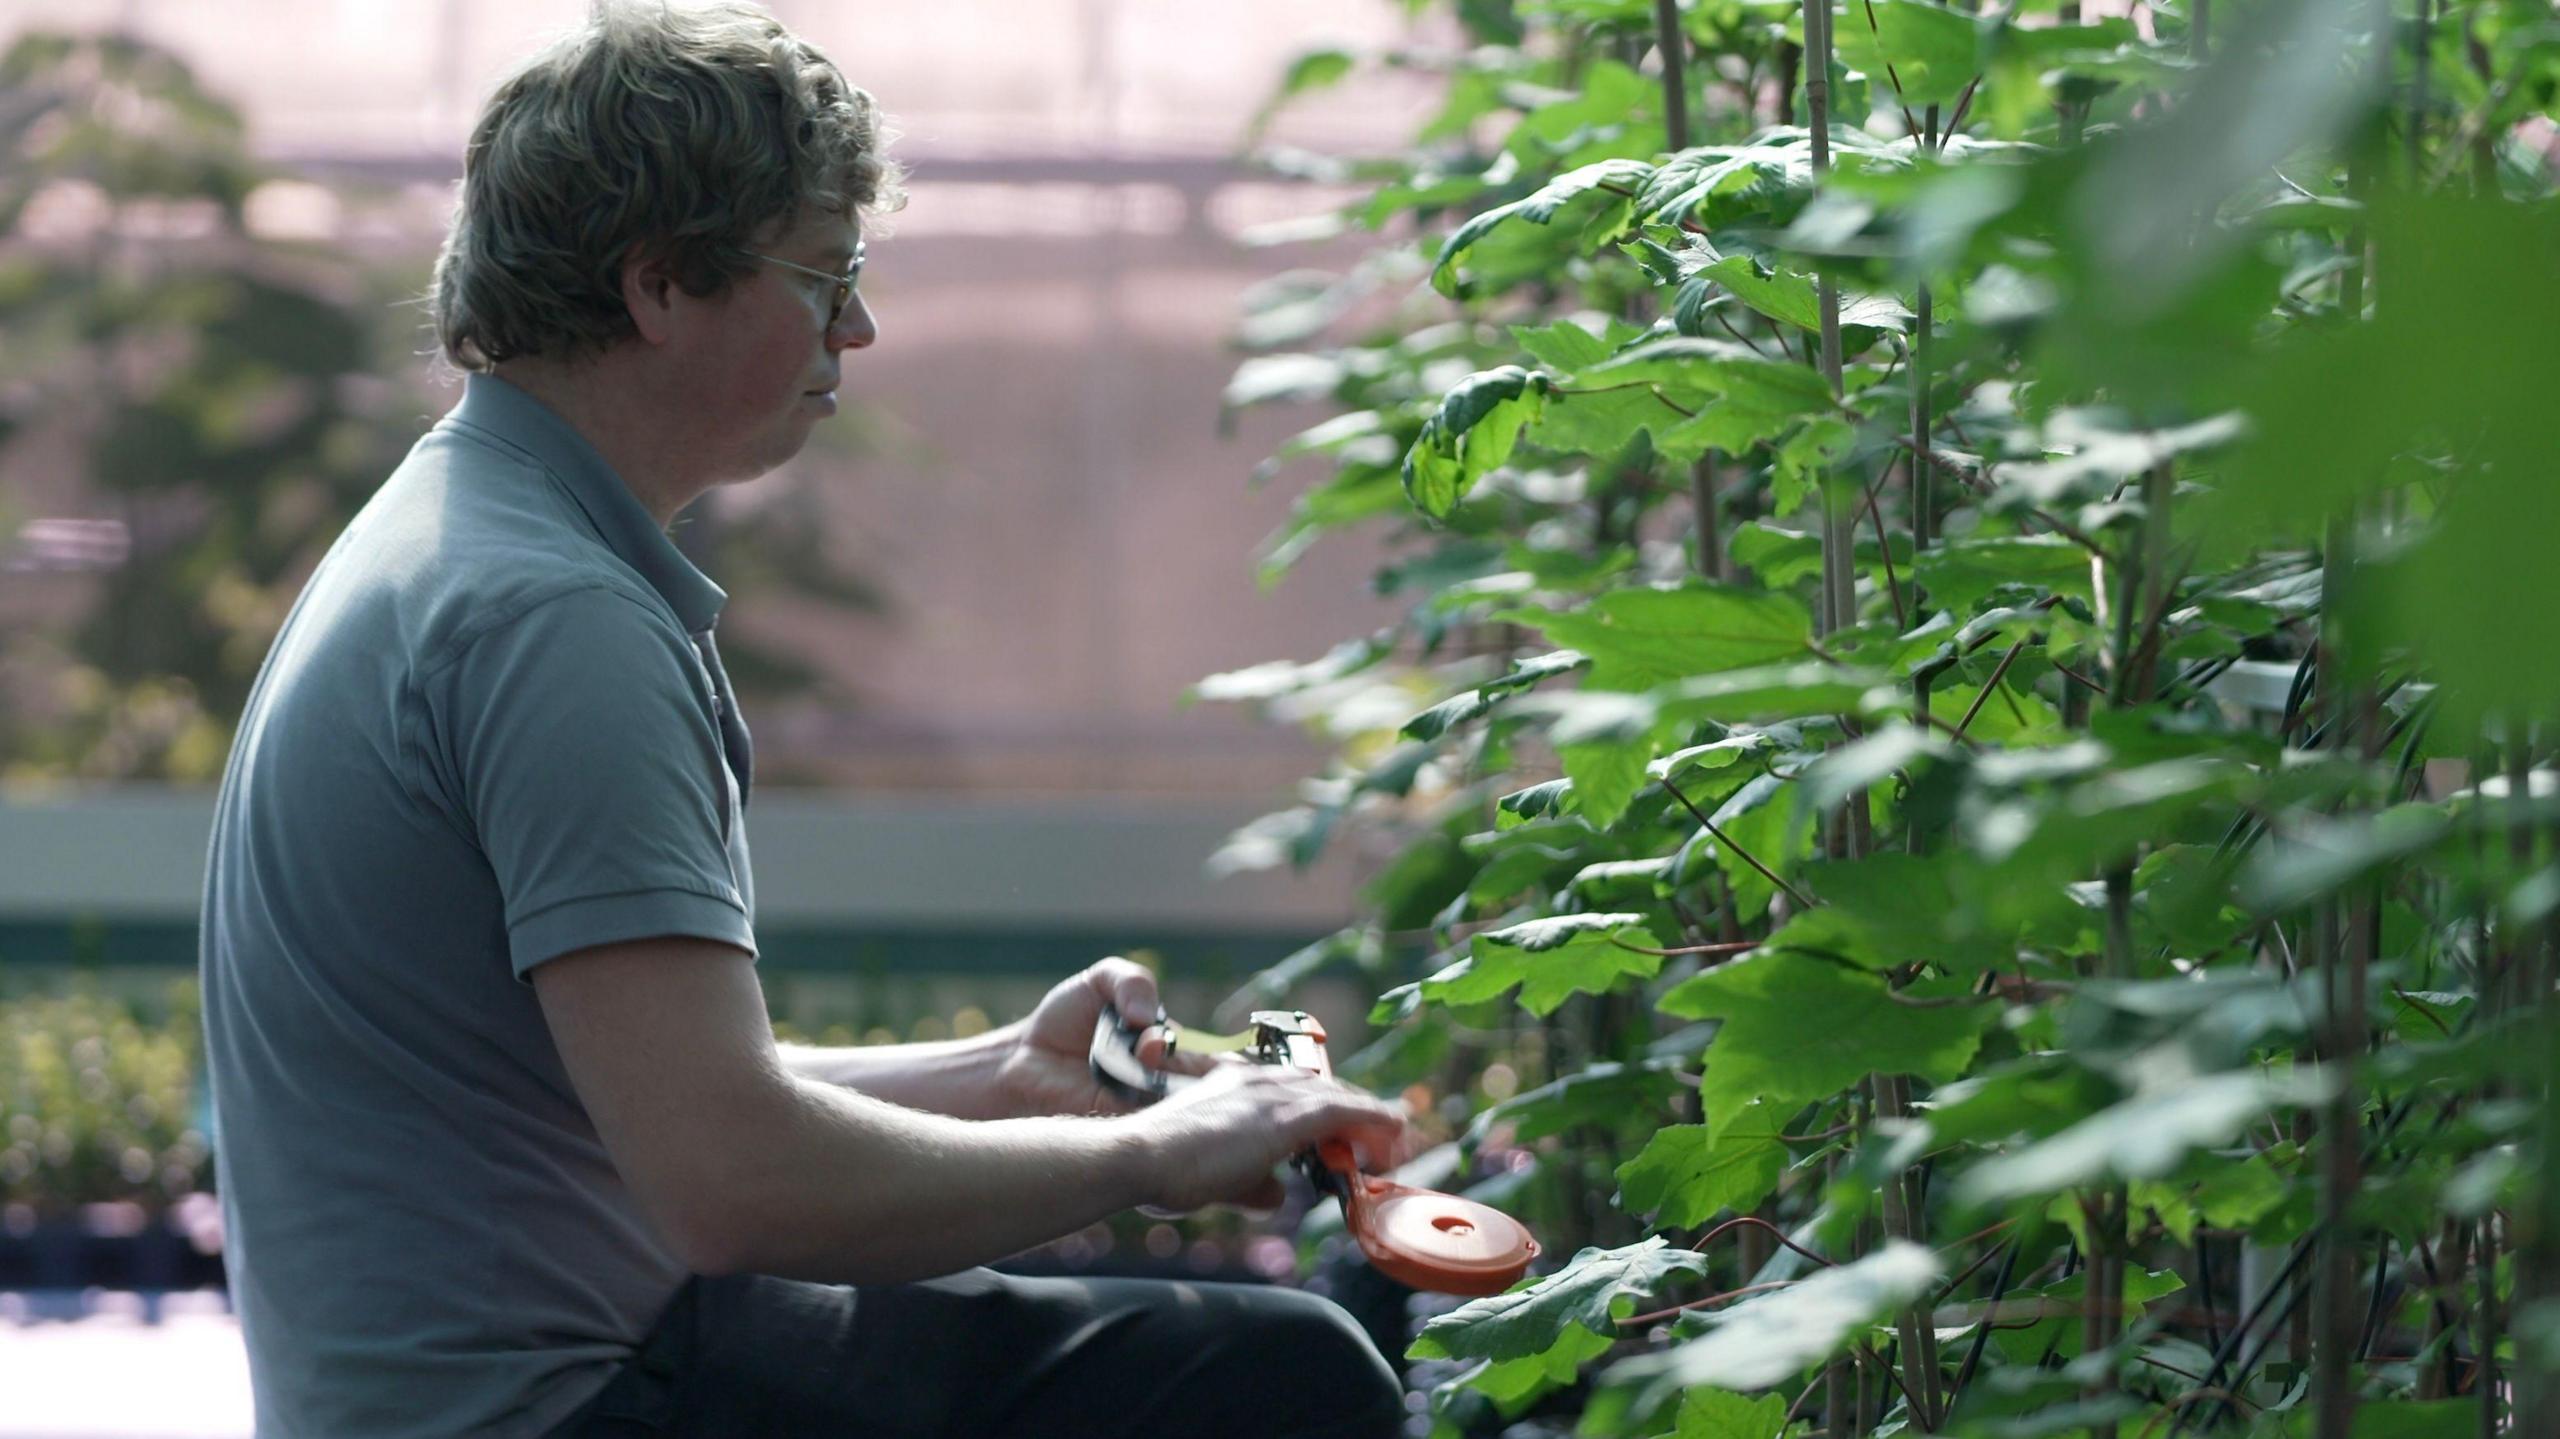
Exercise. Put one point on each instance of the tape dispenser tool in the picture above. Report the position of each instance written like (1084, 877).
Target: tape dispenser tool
(1419, 1237)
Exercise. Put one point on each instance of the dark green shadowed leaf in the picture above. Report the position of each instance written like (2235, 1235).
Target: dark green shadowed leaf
(1605, 1093)
(1474, 430)
(1590, 186)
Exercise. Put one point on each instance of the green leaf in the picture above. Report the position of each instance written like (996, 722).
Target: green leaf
(1917, 53)
(1427, 875)
(1472, 704)
(1738, 373)
(1312, 70)
(1781, 557)
(1714, 755)
(1513, 1383)
(1550, 960)
(1687, 1173)
(1793, 298)
(1597, 1289)
(2059, 1334)
(2399, 1419)
(2144, 1137)
(1605, 776)
(1962, 573)
(1773, 692)
(1605, 1093)
(2315, 857)
(1563, 347)
(1766, 1341)
(2010, 716)
(1766, 1049)
(1575, 188)
(1473, 432)
(2236, 1193)
(1905, 909)
(1727, 426)
(1603, 424)
(1863, 763)
(1640, 638)
(1763, 822)
(1537, 801)
(1722, 1414)
(1690, 184)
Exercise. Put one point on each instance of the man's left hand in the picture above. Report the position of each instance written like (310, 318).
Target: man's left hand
(1048, 1067)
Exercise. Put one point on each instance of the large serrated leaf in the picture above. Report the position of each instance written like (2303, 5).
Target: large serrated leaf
(1550, 960)
(1721, 1414)
(1769, 1340)
(1792, 298)
(1766, 1048)
(1606, 775)
(1640, 638)
(1594, 1291)
(1689, 1173)
(1742, 375)
(1691, 181)
(1538, 209)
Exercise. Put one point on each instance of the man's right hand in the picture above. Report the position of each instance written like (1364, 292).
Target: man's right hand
(1217, 1141)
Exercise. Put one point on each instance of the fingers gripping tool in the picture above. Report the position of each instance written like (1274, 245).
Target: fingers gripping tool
(1419, 1237)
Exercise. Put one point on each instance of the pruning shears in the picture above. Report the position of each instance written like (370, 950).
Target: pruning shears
(1419, 1237)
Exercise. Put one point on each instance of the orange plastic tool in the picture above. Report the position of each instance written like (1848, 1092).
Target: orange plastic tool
(1427, 1239)
(1418, 1237)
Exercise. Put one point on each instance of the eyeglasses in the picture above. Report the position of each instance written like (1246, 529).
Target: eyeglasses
(842, 285)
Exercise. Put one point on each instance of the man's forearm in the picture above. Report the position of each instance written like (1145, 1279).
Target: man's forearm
(834, 1186)
(957, 1077)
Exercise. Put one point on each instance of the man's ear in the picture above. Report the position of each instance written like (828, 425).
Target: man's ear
(650, 292)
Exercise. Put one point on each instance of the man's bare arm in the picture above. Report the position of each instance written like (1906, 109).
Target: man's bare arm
(1036, 1065)
(957, 1077)
(749, 1167)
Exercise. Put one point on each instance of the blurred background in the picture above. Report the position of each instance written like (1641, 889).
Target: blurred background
(965, 620)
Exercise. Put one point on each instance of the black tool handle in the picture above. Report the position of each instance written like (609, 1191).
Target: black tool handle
(1116, 1066)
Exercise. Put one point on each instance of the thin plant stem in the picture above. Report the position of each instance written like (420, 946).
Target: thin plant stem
(1726, 840)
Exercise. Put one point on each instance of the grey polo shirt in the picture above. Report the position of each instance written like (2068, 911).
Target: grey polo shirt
(493, 730)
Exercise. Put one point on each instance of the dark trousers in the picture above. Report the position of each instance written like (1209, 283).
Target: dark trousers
(984, 1355)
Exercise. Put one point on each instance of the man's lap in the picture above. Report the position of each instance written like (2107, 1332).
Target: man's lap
(987, 1354)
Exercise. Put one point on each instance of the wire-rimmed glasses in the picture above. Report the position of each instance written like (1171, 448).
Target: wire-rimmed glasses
(842, 285)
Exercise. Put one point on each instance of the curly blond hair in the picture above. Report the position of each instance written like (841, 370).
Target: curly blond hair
(690, 131)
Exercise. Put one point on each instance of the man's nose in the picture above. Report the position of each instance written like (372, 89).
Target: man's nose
(855, 329)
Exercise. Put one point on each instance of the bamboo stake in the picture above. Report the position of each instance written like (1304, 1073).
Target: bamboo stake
(1674, 47)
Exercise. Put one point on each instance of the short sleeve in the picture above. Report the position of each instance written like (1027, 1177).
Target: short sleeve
(582, 745)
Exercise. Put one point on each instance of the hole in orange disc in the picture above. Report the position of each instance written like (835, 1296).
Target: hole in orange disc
(1452, 1224)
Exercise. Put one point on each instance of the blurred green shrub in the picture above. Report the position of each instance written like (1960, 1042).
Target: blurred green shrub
(98, 1101)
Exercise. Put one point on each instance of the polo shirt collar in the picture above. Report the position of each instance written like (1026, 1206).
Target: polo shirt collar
(505, 411)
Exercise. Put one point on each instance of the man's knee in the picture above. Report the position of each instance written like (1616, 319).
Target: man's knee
(1351, 1391)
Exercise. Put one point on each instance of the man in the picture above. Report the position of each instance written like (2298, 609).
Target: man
(506, 1144)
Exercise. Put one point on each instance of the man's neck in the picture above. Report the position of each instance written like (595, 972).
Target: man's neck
(625, 422)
